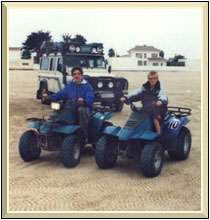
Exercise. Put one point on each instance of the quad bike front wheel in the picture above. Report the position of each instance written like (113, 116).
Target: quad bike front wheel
(28, 148)
(152, 159)
(106, 152)
(183, 145)
(71, 151)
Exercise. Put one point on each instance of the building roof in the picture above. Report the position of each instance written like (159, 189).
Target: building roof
(126, 55)
(15, 48)
(144, 48)
(158, 59)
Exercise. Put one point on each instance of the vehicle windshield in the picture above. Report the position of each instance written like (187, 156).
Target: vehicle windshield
(85, 61)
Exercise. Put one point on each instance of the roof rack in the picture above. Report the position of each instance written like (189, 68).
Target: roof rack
(72, 47)
(179, 111)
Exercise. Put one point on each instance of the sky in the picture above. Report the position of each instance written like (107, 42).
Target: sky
(175, 31)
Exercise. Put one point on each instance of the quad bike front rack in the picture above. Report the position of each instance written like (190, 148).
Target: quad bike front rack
(179, 111)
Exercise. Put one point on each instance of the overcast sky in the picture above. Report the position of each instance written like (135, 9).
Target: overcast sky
(175, 31)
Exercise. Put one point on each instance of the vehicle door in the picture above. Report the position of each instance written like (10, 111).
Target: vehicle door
(52, 84)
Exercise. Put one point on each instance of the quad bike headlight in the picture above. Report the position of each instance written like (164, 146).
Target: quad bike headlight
(110, 85)
(100, 85)
(55, 106)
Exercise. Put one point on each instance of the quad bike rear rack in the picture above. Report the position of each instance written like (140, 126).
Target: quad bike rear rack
(49, 120)
(179, 111)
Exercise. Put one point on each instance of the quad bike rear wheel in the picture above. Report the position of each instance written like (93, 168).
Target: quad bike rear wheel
(106, 152)
(183, 145)
(152, 159)
(28, 148)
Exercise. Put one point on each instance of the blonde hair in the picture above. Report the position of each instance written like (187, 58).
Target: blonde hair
(152, 73)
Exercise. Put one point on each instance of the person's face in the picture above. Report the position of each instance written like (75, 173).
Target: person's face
(153, 79)
(77, 76)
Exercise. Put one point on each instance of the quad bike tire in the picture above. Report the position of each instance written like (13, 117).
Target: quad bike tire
(71, 151)
(183, 145)
(119, 106)
(152, 159)
(94, 139)
(28, 148)
(43, 90)
(106, 152)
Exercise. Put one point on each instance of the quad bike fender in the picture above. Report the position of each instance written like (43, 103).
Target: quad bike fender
(147, 135)
(112, 130)
(34, 124)
(98, 119)
(103, 116)
(46, 128)
(66, 129)
(170, 128)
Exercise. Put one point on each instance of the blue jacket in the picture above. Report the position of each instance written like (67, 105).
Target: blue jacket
(73, 91)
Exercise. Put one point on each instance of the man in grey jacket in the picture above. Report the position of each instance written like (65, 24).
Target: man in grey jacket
(151, 92)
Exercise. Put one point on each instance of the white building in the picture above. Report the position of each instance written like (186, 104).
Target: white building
(14, 55)
(15, 61)
(146, 56)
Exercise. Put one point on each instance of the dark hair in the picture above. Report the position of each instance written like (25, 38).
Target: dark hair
(77, 68)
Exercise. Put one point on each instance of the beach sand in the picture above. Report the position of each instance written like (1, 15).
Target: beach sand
(45, 185)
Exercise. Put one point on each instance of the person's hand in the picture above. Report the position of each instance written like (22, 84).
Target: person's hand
(159, 103)
(45, 95)
(80, 101)
(122, 99)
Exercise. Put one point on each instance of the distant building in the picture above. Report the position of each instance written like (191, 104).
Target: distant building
(15, 61)
(14, 54)
(147, 56)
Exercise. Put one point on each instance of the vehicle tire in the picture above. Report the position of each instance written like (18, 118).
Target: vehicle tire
(28, 148)
(183, 145)
(152, 159)
(71, 151)
(106, 152)
(94, 138)
(119, 106)
(43, 90)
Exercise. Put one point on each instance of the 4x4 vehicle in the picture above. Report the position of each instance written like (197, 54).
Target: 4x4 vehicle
(56, 62)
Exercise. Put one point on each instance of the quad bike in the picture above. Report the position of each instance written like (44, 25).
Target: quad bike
(62, 133)
(138, 138)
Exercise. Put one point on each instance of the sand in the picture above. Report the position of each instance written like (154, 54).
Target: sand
(45, 185)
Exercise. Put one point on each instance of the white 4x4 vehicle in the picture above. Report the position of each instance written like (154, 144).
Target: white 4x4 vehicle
(57, 60)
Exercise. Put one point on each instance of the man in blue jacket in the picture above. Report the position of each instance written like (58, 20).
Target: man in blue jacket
(79, 97)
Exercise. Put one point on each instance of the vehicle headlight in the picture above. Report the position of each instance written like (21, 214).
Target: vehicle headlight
(55, 106)
(99, 49)
(110, 85)
(100, 85)
(77, 49)
(94, 50)
(72, 48)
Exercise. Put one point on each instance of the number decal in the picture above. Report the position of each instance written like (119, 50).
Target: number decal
(173, 124)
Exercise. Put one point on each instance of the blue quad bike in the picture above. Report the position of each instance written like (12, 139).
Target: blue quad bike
(138, 139)
(61, 132)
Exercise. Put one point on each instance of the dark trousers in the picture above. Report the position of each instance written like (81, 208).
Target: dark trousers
(80, 113)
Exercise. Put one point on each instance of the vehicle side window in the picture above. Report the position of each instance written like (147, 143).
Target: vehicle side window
(44, 64)
(52, 64)
(60, 63)
(91, 63)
